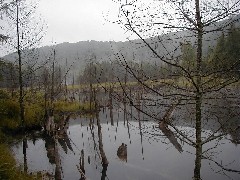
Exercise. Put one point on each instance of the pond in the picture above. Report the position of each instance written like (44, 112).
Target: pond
(128, 145)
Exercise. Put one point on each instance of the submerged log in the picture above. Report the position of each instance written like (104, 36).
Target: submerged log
(170, 135)
(50, 125)
(122, 152)
(56, 128)
(169, 112)
(163, 126)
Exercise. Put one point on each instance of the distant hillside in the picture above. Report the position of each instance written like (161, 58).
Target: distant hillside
(78, 54)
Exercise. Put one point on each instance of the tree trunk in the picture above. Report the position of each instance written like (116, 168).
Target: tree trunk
(197, 169)
(198, 97)
(21, 101)
(53, 72)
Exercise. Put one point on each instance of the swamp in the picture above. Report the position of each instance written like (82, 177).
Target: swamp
(120, 89)
(120, 140)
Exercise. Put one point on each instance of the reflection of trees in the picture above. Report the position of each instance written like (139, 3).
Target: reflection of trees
(54, 138)
(99, 151)
(81, 168)
(104, 160)
(139, 121)
(110, 102)
(58, 172)
(191, 81)
(25, 154)
(219, 122)
(52, 149)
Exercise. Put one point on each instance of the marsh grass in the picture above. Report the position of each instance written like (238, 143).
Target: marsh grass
(9, 114)
(4, 94)
(8, 166)
(65, 106)
(34, 114)
(35, 111)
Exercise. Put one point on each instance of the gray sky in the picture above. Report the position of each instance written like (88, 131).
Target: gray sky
(76, 20)
(80, 20)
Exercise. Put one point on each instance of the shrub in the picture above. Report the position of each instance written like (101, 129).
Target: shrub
(34, 114)
(9, 108)
(3, 94)
(9, 114)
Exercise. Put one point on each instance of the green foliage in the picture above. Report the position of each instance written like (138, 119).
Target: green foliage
(218, 58)
(188, 57)
(9, 114)
(33, 97)
(66, 106)
(232, 48)
(10, 124)
(3, 94)
(34, 114)
(225, 56)
(8, 75)
(9, 108)
(34, 110)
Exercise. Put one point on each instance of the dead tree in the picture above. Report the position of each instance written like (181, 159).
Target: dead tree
(195, 20)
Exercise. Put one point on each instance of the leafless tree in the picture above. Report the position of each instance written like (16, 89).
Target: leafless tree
(176, 22)
(23, 32)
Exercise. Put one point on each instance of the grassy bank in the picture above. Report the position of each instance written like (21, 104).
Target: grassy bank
(34, 107)
(10, 124)
(181, 82)
(8, 166)
(65, 106)
(9, 114)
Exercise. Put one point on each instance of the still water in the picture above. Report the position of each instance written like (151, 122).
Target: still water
(121, 146)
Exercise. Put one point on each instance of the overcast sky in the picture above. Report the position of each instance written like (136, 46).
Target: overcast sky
(80, 20)
(76, 20)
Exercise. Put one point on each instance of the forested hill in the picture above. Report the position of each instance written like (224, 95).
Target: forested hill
(76, 55)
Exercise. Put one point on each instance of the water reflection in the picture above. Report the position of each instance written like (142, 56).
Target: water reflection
(81, 168)
(25, 154)
(54, 136)
(104, 159)
(133, 148)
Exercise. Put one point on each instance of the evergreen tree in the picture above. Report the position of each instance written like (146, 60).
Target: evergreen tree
(218, 58)
(232, 48)
(225, 56)
(188, 56)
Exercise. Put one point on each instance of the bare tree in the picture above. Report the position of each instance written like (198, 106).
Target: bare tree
(24, 34)
(176, 22)
(5, 11)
